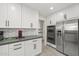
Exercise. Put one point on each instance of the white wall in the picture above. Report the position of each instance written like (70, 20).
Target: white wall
(71, 12)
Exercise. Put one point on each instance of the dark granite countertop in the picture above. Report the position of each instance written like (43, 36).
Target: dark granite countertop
(15, 39)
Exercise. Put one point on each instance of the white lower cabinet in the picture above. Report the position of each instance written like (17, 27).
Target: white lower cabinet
(4, 50)
(38, 46)
(27, 48)
(16, 49)
(33, 47)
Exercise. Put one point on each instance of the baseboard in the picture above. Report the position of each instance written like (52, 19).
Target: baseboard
(62, 52)
(38, 54)
(52, 45)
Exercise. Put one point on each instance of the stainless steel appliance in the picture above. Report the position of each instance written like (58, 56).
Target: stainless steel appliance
(67, 40)
(1, 35)
(51, 34)
(71, 45)
(59, 36)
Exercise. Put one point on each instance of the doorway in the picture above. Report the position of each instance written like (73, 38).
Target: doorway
(41, 30)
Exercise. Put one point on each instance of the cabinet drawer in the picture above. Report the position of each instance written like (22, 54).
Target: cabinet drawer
(16, 49)
(37, 40)
(15, 45)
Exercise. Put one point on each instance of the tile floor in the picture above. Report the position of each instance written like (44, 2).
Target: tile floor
(49, 51)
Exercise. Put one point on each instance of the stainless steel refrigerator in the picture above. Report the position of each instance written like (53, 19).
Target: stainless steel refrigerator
(69, 42)
(59, 36)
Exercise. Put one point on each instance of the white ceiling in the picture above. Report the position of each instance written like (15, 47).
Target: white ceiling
(44, 8)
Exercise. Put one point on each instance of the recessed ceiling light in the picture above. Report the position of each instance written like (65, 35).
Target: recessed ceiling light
(51, 8)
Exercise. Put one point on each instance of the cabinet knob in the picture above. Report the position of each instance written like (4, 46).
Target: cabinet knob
(34, 40)
(8, 22)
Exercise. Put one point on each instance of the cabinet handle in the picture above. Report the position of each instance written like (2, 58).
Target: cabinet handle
(31, 25)
(50, 21)
(8, 22)
(34, 46)
(17, 48)
(34, 40)
(17, 44)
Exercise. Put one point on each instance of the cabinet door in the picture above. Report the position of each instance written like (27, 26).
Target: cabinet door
(26, 17)
(33, 47)
(72, 12)
(4, 50)
(48, 21)
(3, 15)
(37, 46)
(35, 20)
(14, 15)
(16, 49)
(28, 48)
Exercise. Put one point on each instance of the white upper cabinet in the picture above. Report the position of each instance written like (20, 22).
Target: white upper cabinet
(59, 17)
(35, 19)
(29, 18)
(3, 15)
(47, 21)
(25, 17)
(50, 21)
(73, 12)
(14, 15)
